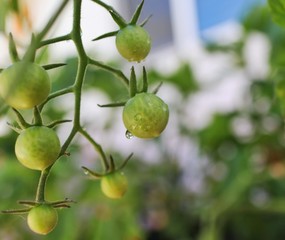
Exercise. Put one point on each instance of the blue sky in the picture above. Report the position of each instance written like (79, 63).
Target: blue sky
(213, 12)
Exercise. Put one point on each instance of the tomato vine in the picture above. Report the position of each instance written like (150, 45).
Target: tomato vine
(114, 181)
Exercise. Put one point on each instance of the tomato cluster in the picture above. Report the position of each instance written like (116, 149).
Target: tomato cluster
(26, 85)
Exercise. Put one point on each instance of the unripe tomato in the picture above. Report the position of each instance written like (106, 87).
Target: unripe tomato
(145, 115)
(114, 185)
(24, 85)
(42, 219)
(37, 147)
(133, 43)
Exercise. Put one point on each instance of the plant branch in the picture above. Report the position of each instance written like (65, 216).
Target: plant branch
(115, 71)
(98, 149)
(54, 40)
(40, 196)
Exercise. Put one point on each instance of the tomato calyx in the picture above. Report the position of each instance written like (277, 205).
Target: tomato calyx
(29, 204)
(111, 168)
(134, 88)
(121, 22)
(132, 40)
(114, 183)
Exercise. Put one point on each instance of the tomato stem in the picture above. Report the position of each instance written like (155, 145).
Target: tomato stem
(40, 196)
(98, 148)
(37, 117)
(54, 40)
(115, 71)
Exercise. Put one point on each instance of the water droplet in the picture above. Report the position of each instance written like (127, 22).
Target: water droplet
(128, 134)
(86, 172)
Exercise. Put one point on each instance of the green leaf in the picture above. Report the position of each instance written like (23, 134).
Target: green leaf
(277, 9)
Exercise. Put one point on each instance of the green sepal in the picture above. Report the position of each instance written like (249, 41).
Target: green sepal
(57, 122)
(14, 128)
(27, 203)
(117, 104)
(112, 164)
(125, 162)
(16, 211)
(30, 54)
(157, 88)
(20, 120)
(89, 172)
(13, 49)
(133, 83)
(145, 21)
(145, 81)
(53, 66)
(137, 13)
(115, 15)
(106, 35)
(62, 204)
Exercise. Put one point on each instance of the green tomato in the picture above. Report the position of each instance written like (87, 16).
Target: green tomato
(37, 147)
(42, 219)
(114, 185)
(145, 115)
(133, 43)
(24, 85)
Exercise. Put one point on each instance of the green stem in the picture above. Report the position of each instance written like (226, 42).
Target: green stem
(56, 94)
(76, 37)
(98, 149)
(55, 40)
(115, 71)
(37, 117)
(40, 196)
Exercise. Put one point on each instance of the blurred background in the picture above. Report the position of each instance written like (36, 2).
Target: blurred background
(216, 173)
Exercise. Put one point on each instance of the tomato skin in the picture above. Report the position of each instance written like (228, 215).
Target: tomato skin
(133, 43)
(114, 185)
(37, 147)
(42, 219)
(145, 115)
(24, 85)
